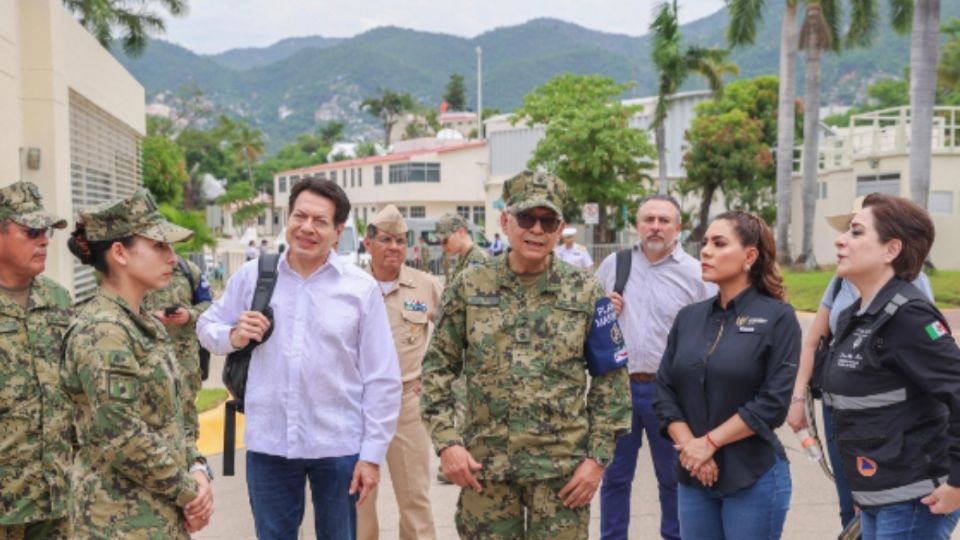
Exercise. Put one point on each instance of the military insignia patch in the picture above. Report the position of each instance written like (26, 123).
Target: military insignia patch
(866, 466)
(122, 387)
(616, 335)
(936, 330)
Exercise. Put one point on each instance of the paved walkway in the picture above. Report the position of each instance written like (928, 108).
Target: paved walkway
(813, 511)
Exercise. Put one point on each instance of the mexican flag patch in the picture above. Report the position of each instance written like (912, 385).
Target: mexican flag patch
(936, 330)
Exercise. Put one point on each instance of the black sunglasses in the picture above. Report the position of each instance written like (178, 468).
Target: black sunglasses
(549, 224)
(33, 234)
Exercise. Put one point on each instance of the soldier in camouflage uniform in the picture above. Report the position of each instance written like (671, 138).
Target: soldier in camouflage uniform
(137, 474)
(35, 415)
(524, 329)
(182, 327)
(454, 234)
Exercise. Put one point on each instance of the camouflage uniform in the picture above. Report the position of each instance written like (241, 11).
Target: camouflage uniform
(522, 352)
(35, 415)
(180, 293)
(447, 225)
(131, 471)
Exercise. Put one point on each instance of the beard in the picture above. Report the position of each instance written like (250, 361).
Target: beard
(655, 245)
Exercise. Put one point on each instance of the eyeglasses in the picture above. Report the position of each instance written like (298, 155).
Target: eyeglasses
(33, 234)
(549, 224)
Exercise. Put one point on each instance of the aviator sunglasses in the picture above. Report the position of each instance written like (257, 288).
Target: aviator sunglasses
(549, 224)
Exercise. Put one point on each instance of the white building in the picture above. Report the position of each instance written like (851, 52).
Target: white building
(67, 103)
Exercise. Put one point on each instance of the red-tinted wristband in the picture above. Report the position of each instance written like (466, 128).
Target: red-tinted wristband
(711, 442)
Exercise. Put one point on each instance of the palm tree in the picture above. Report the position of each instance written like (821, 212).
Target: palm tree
(924, 47)
(388, 108)
(247, 145)
(742, 30)
(132, 17)
(817, 35)
(675, 63)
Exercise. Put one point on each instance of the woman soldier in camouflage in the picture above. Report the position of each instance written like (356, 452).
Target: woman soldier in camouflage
(136, 475)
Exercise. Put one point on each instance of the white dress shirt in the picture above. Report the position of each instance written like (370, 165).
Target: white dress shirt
(654, 293)
(576, 255)
(327, 382)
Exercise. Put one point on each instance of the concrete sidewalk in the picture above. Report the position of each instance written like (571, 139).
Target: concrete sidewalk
(813, 515)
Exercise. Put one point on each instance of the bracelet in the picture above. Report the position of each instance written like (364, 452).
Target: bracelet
(797, 399)
(711, 442)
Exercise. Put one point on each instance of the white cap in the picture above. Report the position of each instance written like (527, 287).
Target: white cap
(569, 231)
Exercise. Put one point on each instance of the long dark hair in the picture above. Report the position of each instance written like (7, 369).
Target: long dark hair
(753, 232)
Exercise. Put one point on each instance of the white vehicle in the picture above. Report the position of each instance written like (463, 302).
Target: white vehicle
(349, 248)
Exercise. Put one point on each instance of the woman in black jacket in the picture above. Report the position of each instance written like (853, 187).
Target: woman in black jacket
(892, 377)
(724, 385)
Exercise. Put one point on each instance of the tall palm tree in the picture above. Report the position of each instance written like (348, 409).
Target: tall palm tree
(924, 46)
(742, 30)
(675, 63)
(817, 35)
(247, 146)
(132, 18)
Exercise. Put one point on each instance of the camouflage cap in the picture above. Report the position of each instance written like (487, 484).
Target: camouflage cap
(535, 189)
(21, 202)
(390, 221)
(450, 223)
(136, 214)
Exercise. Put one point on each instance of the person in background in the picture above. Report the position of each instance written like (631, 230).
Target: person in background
(662, 280)
(891, 375)
(454, 234)
(251, 252)
(324, 392)
(724, 385)
(523, 330)
(412, 298)
(573, 253)
(264, 247)
(36, 417)
(838, 296)
(137, 473)
(497, 247)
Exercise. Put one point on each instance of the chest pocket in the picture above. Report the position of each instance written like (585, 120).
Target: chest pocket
(567, 327)
(415, 324)
(15, 368)
(485, 333)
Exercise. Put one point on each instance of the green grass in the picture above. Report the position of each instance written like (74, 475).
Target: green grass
(805, 289)
(209, 398)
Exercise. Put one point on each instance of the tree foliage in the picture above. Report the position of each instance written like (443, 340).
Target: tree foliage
(196, 221)
(164, 169)
(132, 19)
(589, 144)
(456, 93)
(388, 107)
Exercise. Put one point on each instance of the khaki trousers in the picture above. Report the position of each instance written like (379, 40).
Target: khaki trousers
(408, 460)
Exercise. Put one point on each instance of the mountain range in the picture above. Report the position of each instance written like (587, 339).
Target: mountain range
(293, 85)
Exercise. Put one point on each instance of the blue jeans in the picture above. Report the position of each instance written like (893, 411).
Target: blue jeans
(756, 512)
(618, 478)
(909, 520)
(276, 488)
(839, 480)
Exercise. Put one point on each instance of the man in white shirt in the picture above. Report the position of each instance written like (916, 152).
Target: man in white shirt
(573, 253)
(323, 392)
(662, 279)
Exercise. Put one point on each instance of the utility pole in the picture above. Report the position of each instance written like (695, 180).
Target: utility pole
(479, 93)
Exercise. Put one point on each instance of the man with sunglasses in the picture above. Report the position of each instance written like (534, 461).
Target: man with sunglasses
(412, 299)
(524, 330)
(454, 234)
(35, 416)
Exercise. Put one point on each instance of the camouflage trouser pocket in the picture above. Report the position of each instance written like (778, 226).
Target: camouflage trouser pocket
(51, 529)
(528, 511)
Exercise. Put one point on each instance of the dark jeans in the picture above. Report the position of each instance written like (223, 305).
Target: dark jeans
(909, 520)
(839, 480)
(756, 512)
(276, 487)
(618, 478)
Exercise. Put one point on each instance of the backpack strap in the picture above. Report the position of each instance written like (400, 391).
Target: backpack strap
(266, 281)
(624, 259)
(185, 268)
(837, 286)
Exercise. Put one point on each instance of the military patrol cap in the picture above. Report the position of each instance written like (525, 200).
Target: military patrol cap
(449, 224)
(390, 221)
(21, 202)
(535, 189)
(841, 222)
(136, 214)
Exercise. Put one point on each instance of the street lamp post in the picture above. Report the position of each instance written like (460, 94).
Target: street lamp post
(479, 93)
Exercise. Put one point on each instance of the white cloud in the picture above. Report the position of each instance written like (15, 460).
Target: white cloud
(217, 25)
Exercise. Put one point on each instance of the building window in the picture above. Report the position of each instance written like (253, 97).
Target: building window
(322, 175)
(378, 175)
(418, 211)
(364, 214)
(941, 203)
(403, 173)
(479, 215)
(888, 183)
(283, 184)
(353, 177)
(261, 219)
(464, 212)
(822, 192)
(359, 177)
(343, 179)
(403, 210)
(333, 176)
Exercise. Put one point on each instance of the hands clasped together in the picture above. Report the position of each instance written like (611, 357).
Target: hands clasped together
(696, 456)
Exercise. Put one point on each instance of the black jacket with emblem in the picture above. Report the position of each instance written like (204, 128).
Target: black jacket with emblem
(892, 376)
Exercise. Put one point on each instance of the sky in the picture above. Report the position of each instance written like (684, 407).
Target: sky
(213, 26)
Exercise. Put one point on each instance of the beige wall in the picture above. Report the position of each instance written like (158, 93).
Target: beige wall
(44, 53)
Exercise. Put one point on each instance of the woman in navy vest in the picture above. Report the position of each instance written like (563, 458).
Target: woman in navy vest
(892, 377)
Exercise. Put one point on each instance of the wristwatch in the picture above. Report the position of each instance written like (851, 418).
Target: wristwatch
(203, 467)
